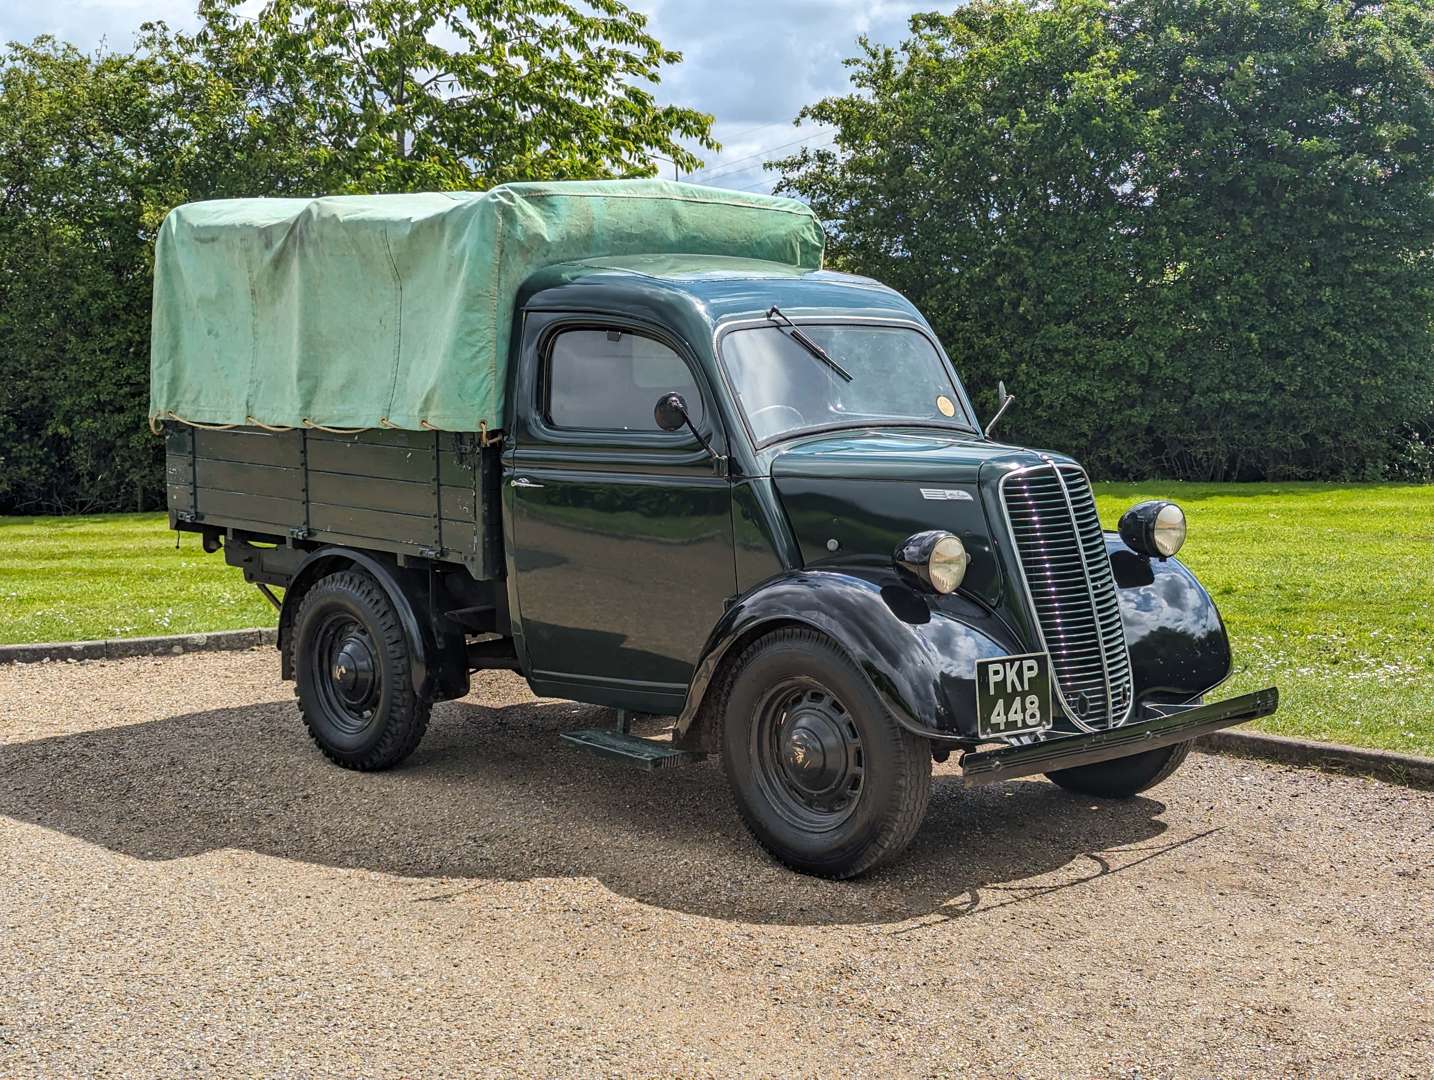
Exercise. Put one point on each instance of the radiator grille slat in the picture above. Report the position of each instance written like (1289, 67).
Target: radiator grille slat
(1069, 584)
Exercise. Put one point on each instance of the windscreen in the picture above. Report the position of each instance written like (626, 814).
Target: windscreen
(896, 376)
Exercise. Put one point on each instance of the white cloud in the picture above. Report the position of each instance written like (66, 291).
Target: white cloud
(88, 23)
(753, 64)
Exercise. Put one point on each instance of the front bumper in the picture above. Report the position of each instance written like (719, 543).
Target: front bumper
(1066, 752)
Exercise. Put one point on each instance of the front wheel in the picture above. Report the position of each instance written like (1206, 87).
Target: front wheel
(354, 674)
(823, 776)
(1124, 777)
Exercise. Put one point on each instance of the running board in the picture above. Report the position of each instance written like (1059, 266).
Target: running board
(1069, 751)
(629, 749)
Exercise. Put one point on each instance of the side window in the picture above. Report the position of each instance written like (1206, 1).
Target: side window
(610, 380)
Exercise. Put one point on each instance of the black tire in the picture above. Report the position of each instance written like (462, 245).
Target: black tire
(1124, 777)
(353, 674)
(823, 776)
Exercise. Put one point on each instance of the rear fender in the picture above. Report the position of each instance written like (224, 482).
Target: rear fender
(438, 673)
(917, 649)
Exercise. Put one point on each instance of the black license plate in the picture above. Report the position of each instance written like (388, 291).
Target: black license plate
(1013, 695)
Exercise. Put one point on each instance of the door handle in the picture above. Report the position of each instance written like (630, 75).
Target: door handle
(523, 482)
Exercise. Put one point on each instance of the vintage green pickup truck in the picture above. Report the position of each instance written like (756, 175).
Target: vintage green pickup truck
(742, 492)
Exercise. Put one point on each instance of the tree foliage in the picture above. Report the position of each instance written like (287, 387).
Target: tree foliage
(413, 95)
(309, 97)
(1194, 235)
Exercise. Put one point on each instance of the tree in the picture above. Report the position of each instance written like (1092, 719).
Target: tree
(1194, 234)
(402, 95)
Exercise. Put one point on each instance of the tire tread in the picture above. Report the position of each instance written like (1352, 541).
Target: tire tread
(1101, 786)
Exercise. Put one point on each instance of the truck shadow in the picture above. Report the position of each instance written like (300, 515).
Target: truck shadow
(492, 796)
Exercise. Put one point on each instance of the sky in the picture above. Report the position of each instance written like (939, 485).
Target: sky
(752, 64)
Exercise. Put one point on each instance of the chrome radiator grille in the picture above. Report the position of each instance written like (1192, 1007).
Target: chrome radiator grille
(1071, 590)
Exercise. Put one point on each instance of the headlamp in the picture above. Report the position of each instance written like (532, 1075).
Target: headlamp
(1155, 528)
(936, 559)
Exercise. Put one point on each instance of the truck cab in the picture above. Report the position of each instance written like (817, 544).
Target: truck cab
(756, 499)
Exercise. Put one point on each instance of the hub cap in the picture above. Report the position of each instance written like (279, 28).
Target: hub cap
(353, 669)
(807, 754)
(346, 672)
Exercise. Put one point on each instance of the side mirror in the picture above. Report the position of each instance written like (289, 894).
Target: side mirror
(1002, 406)
(670, 412)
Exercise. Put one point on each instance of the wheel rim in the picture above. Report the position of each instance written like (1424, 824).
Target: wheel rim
(345, 669)
(807, 755)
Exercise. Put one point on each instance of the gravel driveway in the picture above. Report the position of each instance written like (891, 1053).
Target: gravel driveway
(185, 885)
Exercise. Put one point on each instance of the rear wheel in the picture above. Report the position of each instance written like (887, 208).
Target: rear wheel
(1122, 777)
(354, 674)
(823, 776)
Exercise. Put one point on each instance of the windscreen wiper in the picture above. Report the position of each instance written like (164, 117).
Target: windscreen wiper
(775, 314)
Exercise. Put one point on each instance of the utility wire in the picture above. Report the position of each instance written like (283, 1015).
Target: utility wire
(718, 161)
(725, 168)
(759, 127)
(767, 182)
(748, 168)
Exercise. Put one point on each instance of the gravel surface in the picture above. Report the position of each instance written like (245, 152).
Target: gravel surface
(187, 886)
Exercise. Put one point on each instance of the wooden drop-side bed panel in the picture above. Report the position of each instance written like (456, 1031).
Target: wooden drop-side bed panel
(421, 493)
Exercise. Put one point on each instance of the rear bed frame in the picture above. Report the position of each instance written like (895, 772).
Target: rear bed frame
(424, 494)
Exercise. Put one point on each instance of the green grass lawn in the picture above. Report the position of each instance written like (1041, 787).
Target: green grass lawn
(1328, 591)
(115, 575)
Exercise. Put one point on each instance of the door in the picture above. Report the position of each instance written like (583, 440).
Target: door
(621, 532)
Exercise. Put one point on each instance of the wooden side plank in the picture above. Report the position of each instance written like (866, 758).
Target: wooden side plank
(424, 441)
(271, 480)
(372, 524)
(372, 493)
(460, 537)
(370, 461)
(180, 496)
(458, 470)
(178, 439)
(249, 445)
(458, 504)
(374, 490)
(239, 508)
(178, 469)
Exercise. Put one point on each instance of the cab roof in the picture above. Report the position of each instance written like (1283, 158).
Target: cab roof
(714, 288)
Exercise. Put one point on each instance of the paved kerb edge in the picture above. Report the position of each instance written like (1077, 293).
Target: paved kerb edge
(119, 648)
(1408, 770)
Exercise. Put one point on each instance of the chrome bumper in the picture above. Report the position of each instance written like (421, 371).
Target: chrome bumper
(1066, 752)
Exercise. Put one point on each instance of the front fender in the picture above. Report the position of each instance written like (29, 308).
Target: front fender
(1179, 648)
(919, 650)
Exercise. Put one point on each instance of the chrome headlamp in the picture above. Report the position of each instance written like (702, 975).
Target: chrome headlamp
(936, 559)
(1155, 528)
